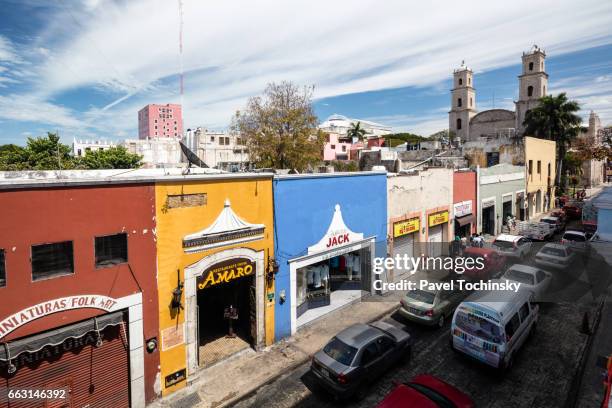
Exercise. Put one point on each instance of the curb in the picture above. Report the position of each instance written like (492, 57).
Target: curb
(251, 391)
(572, 395)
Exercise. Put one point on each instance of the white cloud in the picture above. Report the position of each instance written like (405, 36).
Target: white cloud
(594, 93)
(30, 109)
(232, 49)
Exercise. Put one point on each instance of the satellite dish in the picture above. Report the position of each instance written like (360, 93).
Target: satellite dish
(192, 158)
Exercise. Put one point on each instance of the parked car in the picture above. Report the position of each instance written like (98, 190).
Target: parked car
(573, 209)
(358, 355)
(555, 221)
(589, 226)
(426, 391)
(577, 240)
(555, 256)
(493, 263)
(512, 246)
(430, 307)
(534, 279)
(492, 326)
(559, 213)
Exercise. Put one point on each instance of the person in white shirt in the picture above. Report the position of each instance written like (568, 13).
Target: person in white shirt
(317, 276)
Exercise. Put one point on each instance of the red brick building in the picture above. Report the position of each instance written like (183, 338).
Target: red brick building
(78, 307)
(464, 202)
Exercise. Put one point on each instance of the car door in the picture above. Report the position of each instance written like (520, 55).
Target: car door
(388, 352)
(371, 361)
(542, 281)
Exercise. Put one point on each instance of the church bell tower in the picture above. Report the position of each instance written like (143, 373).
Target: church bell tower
(533, 84)
(463, 102)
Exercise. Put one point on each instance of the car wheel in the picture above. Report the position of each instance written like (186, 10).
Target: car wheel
(361, 392)
(441, 321)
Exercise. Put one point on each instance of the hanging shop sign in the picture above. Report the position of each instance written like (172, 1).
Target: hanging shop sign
(225, 271)
(29, 314)
(462, 209)
(338, 234)
(438, 218)
(406, 227)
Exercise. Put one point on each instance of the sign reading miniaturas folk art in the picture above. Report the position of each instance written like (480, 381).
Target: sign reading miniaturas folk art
(226, 271)
(54, 306)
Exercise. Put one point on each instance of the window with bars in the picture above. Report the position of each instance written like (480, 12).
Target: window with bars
(51, 260)
(111, 250)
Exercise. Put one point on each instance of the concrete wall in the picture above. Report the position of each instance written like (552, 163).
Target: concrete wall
(495, 183)
(540, 157)
(418, 195)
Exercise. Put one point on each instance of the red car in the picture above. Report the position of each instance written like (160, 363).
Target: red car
(493, 263)
(426, 391)
(559, 213)
(573, 210)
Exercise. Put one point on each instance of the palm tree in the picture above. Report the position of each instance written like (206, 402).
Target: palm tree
(356, 131)
(555, 119)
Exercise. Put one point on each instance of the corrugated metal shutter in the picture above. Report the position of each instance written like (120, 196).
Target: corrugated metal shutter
(95, 376)
(403, 245)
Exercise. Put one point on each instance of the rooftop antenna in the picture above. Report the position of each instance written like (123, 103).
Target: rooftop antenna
(180, 10)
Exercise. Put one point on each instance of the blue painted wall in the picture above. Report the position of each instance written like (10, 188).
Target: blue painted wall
(303, 210)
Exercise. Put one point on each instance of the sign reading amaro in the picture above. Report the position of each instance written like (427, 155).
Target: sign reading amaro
(225, 271)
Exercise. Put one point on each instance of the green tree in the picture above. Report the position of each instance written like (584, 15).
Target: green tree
(395, 139)
(12, 158)
(113, 158)
(48, 153)
(555, 119)
(280, 128)
(356, 131)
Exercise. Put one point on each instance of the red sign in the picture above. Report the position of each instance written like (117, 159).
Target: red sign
(338, 240)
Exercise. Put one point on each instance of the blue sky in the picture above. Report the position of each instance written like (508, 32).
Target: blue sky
(84, 68)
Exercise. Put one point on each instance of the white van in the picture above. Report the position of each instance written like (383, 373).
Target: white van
(491, 326)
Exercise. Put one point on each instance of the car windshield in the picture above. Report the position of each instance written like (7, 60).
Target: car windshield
(433, 395)
(503, 244)
(477, 326)
(340, 351)
(554, 251)
(421, 296)
(574, 237)
(518, 276)
(549, 221)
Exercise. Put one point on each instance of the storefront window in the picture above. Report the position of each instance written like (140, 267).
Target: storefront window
(316, 282)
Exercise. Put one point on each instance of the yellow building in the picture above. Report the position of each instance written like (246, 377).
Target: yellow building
(214, 246)
(540, 167)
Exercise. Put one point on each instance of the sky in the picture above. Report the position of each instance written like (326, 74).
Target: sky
(85, 68)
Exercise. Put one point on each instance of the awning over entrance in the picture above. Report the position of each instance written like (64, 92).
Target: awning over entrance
(227, 229)
(31, 344)
(465, 220)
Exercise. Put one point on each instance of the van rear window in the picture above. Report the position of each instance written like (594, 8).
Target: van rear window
(479, 327)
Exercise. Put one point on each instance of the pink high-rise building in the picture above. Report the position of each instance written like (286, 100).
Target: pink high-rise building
(160, 121)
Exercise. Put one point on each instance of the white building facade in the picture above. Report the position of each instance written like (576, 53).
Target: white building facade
(221, 150)
(156, 152)
(81, 147)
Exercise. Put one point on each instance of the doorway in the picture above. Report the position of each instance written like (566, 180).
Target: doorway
(222, 331)
(488, 220)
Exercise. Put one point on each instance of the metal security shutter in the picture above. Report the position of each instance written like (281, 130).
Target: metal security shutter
(435, 241)
(403, 245)
(97, 377)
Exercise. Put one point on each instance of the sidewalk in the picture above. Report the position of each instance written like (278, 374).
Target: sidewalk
(228, 382)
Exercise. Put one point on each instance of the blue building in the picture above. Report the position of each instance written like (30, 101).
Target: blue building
(328, 228)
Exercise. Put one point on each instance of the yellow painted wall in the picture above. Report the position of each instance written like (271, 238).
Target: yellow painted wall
(251, 200)
(544, 151)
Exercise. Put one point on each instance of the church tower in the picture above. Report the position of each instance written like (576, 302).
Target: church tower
(533, 84)
(463, 102)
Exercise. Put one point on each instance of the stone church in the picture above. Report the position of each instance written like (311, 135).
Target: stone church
(470, 125)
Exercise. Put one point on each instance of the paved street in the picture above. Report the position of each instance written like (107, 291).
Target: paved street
(542, 375)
